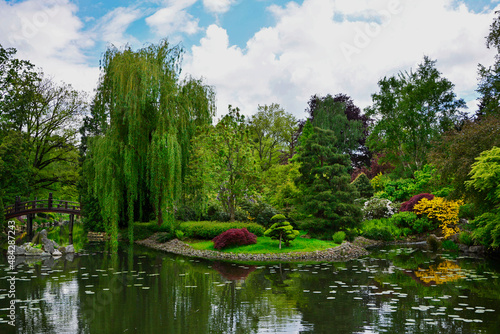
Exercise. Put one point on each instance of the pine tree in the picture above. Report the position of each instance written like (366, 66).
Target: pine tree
(328, 193)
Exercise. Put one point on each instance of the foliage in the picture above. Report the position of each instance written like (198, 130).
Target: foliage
(449, 245)
(14, 167)
(377, 166)
(258, 212)
(380, 229)
(486, 229)
(267, 245)
(139, 162)
(281, 230)
(223, 165)
(363, 185)
(279, 189)
(485, 178)
(410, 204)
(456, 151)
(340, 115)
(179, 234)
(271, 132)
(234, 237)
(465, 238)
(376, 208)
(328, 195)
(209, 230)
(339, 237)
(414, 223)
(164, 237)
(442, 210)
(433, 242)
(412, 109)
(379, 181)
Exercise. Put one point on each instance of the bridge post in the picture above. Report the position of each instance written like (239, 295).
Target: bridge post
(71, 222)
(50, 200)
(29, 227)
(16, 204)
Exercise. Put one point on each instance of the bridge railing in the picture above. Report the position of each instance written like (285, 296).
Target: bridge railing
(42, 205)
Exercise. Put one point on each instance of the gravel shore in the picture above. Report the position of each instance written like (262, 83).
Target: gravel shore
(346, 251)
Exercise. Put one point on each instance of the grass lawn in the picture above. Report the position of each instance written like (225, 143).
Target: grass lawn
(266, 245)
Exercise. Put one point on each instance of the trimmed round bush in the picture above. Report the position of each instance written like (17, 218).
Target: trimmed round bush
(410, 204)
(234, 237)
(338, 237)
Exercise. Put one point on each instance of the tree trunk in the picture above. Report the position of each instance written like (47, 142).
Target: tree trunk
(280, 240)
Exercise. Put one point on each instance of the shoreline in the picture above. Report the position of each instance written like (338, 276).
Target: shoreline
(345, 252)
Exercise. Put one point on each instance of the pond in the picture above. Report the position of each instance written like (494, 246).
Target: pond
(139, 290)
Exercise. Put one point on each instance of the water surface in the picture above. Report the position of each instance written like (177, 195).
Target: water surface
(139, 290)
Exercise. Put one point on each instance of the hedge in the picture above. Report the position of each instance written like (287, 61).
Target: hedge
(209, 229)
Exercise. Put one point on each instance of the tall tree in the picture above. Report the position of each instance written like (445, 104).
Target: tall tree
(271, 131)
(223, 163)
(140, 160)
(489, 77)
(328, 194)
(344, 118)
(412, 109)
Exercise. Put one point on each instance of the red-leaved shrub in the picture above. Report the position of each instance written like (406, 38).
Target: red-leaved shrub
(409, 204)
(234, 237)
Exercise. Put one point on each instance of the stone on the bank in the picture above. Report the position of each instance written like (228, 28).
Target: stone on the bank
(476, 249)
(463, 248)
(56, 253)
(31, 251)
(70, 249)
(48, 246)
(19, 250)
(62, 249)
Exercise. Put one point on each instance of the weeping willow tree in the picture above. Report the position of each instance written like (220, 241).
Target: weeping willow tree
(149, 116)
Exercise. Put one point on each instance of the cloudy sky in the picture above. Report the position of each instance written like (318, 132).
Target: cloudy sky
(261, 51)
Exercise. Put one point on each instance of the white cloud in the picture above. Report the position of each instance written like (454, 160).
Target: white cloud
(309, 52)
(112, 27)
(49, 34)
(217, 6)
(174, 19)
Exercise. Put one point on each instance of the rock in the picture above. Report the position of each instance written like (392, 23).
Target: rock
(454, 238)
(19, 250)
(463, 248)
(70, 249)
(364, 242)
(56, 253)
(48, 245)
(43, 233)
(61, 249)
(44, 254)
(36, 239)
(433, 242)
(30, 251)
(476, 249)
(70, 257)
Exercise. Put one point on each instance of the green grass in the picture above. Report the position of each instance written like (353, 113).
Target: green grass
(266, 245)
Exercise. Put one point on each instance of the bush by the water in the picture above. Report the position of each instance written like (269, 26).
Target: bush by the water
(486, 229)
(339, 237)
(465, 238)
(410, 220)
(281, 230)
(380, 229)
(410, 204)
(209, 230)
(234, 237)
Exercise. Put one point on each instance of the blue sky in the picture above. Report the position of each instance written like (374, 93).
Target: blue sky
(261, 51)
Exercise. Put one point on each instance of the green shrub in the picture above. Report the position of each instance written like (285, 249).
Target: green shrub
(486, 229)
(281, 230)
(380, 229)
(164, 237)
(209, 230)
(466, 238)
(179, 234)
(449, 245)
(411, 221)
(339, 237)
(363, 185)
(468, 211)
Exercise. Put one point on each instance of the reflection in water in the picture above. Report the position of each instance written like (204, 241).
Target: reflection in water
(443, 272)
(139, 290)
(232, 271)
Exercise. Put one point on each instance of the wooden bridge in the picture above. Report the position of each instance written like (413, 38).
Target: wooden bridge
(30, 208)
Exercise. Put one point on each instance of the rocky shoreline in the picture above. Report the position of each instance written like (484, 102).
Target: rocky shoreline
(345, 252)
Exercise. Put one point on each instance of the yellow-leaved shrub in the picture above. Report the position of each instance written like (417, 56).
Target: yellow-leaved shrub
(444, 211)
